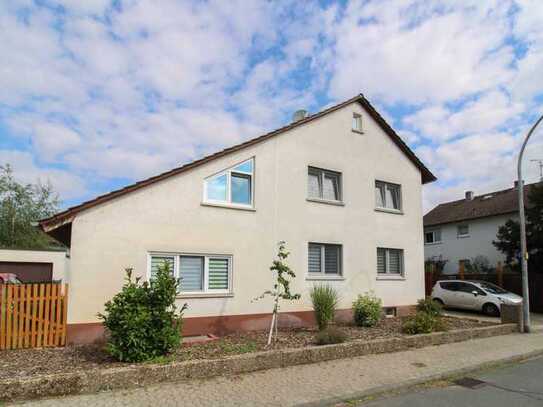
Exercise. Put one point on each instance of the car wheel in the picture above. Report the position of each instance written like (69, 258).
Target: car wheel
(491, 310)
(440, 302)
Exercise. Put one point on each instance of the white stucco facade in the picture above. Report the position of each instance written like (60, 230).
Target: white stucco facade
(453, 248)
(169, 216)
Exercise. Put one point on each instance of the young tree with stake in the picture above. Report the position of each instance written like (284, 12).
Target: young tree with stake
(281, 286)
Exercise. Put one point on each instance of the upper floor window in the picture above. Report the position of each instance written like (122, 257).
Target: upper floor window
(233, 186)
(388, 196)
(357, 122)
(432, 236)
(462, 230)
(196, 273)
(325, 259)
(324, 184)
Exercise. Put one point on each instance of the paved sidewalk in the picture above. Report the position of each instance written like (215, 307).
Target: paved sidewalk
(322, 382)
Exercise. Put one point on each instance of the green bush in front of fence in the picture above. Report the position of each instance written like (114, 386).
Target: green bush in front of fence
(142, 320)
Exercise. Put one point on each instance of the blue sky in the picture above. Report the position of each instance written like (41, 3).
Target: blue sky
(98, 94)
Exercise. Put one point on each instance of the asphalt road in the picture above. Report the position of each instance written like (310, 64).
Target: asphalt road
(518, 385)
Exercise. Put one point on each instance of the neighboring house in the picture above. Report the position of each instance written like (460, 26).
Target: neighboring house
(35, 266)
(464, 229)
(340, 187)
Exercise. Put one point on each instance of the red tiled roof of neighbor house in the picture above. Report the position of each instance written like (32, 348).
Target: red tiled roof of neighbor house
(68, 214)
(481, 206)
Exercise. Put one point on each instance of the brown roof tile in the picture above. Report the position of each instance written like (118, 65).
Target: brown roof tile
(490, 204)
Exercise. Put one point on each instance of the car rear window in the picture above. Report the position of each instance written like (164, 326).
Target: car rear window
(449, 285)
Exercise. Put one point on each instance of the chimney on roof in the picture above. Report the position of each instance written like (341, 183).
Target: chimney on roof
(469, 195)
(299, 115)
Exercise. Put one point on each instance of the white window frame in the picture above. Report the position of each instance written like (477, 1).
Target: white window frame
(177, 256)
(433, 232)
(400, 199)
(387, 272)
(322, 273)
(228, 172)
(321, 173)
(458, 234)
(357, 125)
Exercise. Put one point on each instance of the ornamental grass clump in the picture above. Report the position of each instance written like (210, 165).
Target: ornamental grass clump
(367, 310)
(142, 320)
(324, 299)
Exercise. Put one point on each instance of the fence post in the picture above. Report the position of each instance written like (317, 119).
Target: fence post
(461, 269)
(499, 274)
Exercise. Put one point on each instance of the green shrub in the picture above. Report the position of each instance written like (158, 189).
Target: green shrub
(367, 310)
(324, 299)
(329, 336)
(422, 323)
(429, 306)
(142, 320)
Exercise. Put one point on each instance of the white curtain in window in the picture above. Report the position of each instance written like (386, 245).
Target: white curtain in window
(313, 186)
(331, 187)
(379, 195)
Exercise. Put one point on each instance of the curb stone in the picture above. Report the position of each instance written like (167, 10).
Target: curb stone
(97, 380)
(408, 384)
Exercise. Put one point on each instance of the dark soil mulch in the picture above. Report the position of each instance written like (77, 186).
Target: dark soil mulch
(30, 362)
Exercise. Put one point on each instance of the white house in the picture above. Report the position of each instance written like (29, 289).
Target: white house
(340, 187)
(464, 229)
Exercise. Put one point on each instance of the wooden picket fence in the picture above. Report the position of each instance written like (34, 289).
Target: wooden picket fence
(33, 315)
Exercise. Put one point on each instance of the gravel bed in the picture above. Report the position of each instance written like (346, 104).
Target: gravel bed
(31, 362)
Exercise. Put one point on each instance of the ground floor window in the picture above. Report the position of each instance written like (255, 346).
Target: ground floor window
(196, 273)
(324, 259)
(390, 261)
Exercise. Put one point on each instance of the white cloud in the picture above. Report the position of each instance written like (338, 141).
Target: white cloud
(485, 114)
(399, 54)
(25, 170)
(51, 140)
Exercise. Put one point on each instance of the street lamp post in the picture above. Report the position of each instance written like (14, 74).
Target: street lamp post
(523, 251)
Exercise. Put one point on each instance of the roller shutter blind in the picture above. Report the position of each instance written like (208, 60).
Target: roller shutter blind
(395, 261)
(157, 261)
(218, 274)
(331, 259)
(314, 258)
(381, 261)
(191, 271)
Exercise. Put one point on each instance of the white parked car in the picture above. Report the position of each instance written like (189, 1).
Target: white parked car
(473, 295)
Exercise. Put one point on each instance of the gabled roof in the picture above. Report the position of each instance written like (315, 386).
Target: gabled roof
(67, 215)
(481, 206)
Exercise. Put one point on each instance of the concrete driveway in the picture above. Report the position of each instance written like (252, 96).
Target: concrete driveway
(536, 319)
(515, 385)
